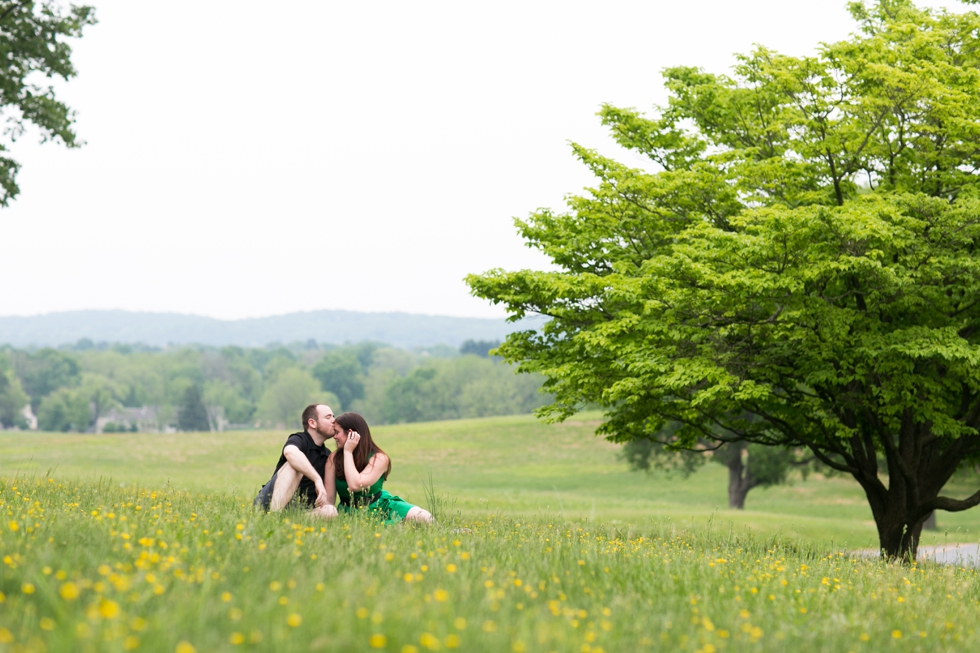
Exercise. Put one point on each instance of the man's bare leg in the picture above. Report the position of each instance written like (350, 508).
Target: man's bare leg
(287, 482)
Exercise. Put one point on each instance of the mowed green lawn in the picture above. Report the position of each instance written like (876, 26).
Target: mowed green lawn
(510, 466)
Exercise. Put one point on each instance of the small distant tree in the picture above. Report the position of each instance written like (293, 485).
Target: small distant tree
(65, 409)
(284, 399)
(413, 397)
(341, 373)
(479, 347)
(77, 408)
(100, 393)
(12, 400)
(54, 413)
(226, 398)
(463, 386)
(192, 414)
(45, 371)
(755, 465)
(365, 353)
(749, 465)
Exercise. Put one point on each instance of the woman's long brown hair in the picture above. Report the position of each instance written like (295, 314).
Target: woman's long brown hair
(364, 449)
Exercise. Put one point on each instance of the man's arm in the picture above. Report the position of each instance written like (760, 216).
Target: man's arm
(298, 461)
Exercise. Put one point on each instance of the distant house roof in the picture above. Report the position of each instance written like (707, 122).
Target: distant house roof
(141, 414)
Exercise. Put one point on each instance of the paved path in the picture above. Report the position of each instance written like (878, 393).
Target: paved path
(963, 555)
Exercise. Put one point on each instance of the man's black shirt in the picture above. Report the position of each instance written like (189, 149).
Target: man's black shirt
(316, 454)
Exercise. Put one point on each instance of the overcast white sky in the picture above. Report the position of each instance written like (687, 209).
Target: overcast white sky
(246, 159)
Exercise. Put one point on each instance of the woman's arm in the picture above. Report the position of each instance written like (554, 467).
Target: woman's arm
(330, 479)
(356, 480)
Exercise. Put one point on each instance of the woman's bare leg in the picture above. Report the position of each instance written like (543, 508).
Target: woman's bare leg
(325, 511)
(287, 482)
(420, 515)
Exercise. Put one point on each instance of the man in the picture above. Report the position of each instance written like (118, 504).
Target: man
(300, 467)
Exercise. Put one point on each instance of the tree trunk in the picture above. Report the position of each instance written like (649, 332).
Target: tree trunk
(905, 494)
(898, 540)
(930, 522)
(898, 533)
(740, 479)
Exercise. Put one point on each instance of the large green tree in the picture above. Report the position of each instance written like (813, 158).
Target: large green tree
(33, 44)
(799, 265)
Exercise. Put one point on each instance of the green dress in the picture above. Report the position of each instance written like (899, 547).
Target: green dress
(390, 508)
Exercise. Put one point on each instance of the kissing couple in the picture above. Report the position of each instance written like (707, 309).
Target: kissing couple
(309, 473)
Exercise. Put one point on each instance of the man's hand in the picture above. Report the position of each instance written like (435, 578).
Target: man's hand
(321, 495)
(352, 441)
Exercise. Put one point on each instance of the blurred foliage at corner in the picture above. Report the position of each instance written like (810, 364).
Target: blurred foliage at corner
(33, 46)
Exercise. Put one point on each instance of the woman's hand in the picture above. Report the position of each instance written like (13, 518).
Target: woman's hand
(353, 438)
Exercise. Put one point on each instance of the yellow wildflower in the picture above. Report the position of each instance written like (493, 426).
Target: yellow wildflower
(109, 609)
(69, 591)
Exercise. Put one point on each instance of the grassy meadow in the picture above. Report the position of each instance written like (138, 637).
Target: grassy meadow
(514, 466)
(545, 543)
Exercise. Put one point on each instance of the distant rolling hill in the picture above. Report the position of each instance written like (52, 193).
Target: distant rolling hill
(163, 329)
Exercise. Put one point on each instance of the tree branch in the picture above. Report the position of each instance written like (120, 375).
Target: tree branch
(832, 463)
(11, 9)
(952, 505)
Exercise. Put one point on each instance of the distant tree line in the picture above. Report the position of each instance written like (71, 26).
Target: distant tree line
(109, 387)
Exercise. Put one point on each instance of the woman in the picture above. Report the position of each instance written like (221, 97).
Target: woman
(357, 472)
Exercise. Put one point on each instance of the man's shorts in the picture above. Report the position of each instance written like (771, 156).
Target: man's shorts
(264, 498)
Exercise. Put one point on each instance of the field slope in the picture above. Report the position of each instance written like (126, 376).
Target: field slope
(506, 465)
(150, 543)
